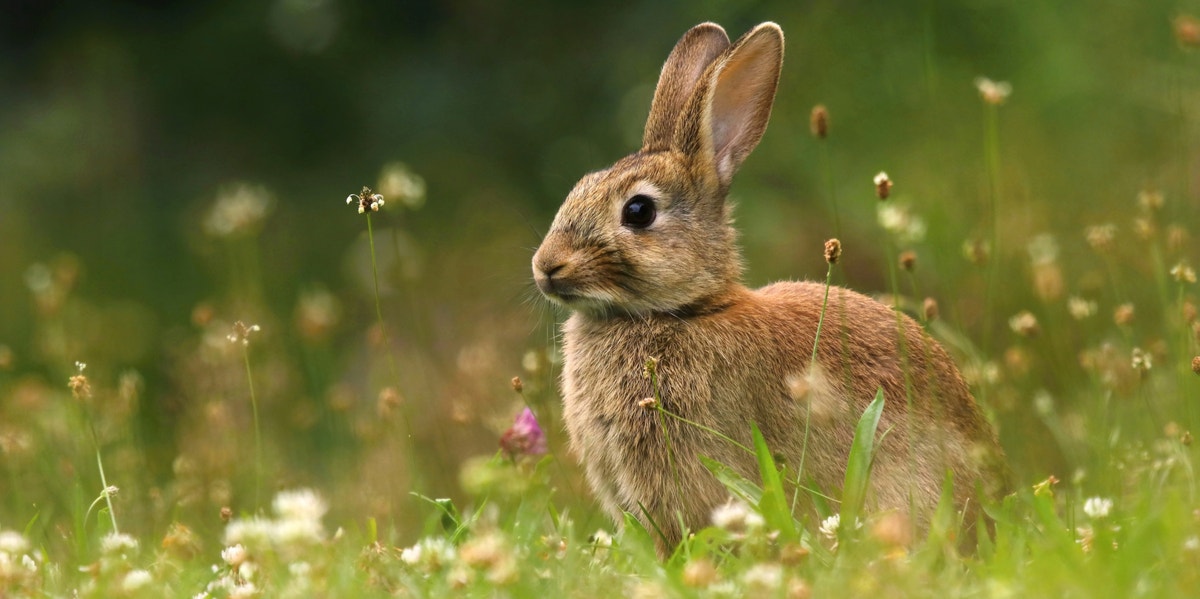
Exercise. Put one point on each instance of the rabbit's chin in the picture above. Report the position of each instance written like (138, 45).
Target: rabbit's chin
(600, 307)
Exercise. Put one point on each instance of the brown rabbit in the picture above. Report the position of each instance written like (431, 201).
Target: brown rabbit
(645, 255)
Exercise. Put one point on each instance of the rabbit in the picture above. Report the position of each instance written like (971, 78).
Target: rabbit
(645, 256)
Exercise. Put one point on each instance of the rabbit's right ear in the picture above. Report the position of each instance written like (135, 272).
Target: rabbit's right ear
(697, 49)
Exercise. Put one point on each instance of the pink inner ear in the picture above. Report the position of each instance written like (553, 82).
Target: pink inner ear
(741, 103)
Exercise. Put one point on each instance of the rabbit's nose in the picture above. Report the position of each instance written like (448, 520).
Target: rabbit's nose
(543, 275)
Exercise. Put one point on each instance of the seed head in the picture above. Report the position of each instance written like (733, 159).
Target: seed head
(648, 403)
(908, 260)
(1183, 273)
(1097, 507)
(1123, 315)
(1177, 237)
(1196, 364)
(977, 251)
(517, 385)
(226, 514)
(1101, 237)
(930, 308)
(1141, 360)
(1187, 31)
(993, 92)
(818, 122)
(883, 186)
(368, 200)
(1024, 323)
(833, 251)
(1080, 308)
(79, 385)
(241, 333)
(1150, 200)
(699, 573)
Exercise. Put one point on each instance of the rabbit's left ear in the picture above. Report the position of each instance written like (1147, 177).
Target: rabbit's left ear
(729, 110)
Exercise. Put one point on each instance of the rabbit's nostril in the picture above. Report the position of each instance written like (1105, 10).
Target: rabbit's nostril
(550, 270)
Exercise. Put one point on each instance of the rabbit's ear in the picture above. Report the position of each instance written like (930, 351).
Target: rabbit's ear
(729, 110)
(697, 49)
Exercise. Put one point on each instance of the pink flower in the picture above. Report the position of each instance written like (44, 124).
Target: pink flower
(524, 437)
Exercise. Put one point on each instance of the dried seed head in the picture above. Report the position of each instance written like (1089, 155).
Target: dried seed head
(833, 251)
(818, 122)
(1196, 364)
(908, 260)
(79, 385)
(650, 368)
(883, 186)
(226, 514)
(517, 385)
(1187, 31)
(1144, 228)
(892, 530)
(648, 403)
(1189, 311)
(389, 399)
(930, 308)
(1123, 315)
(1186, 438)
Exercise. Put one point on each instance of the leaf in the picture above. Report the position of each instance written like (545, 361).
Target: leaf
(858, 468)
(773, 505)
(738, 485)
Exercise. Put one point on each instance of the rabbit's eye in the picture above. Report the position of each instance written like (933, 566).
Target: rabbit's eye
(638, 212)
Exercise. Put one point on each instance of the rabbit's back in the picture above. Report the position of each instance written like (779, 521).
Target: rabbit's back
(748, 358)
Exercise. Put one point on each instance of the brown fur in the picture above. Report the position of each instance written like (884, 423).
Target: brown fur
(728, 356)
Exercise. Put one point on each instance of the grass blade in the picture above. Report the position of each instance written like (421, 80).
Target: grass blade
(858, 468)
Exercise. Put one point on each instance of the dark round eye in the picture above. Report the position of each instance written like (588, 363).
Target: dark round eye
(638, 212)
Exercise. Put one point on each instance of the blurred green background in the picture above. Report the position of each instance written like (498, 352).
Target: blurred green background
(123, 123)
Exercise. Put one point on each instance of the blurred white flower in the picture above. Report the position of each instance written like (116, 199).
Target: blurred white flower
(897, 219)
(829, 526)
(1080, 308)
(239, 210)
(235, 555)
(736, 516)
(763, 578)
(136, 580)
(400, 182)
(993, 92)
(116, 542)
(12, 543)
(300, 504)
(1097, 507)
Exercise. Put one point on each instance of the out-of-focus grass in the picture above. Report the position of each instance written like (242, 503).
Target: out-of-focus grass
(1054, 232)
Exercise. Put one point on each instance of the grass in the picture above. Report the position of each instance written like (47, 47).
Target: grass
(1092, 385)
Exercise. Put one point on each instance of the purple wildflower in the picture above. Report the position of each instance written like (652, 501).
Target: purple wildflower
(524, 437)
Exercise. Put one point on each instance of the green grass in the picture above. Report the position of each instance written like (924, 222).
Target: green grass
(1076, 337)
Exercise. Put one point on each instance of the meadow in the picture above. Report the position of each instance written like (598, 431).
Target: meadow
(267, 326)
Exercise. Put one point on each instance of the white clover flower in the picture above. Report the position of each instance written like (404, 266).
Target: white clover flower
(300, 504)
(298, 532)
(116, 542)
(736, 516)
(29, 563)
(1097, 507)
(763, 577)
(136, 580)
(829, 526)
(255, 532)
(243, 590)
(235, 555)
(12, 543)
(1141, 360)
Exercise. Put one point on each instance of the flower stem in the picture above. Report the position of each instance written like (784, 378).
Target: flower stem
(258, 469)
(812, 363)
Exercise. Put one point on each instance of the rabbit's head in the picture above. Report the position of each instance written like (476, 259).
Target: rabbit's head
(652, 233)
